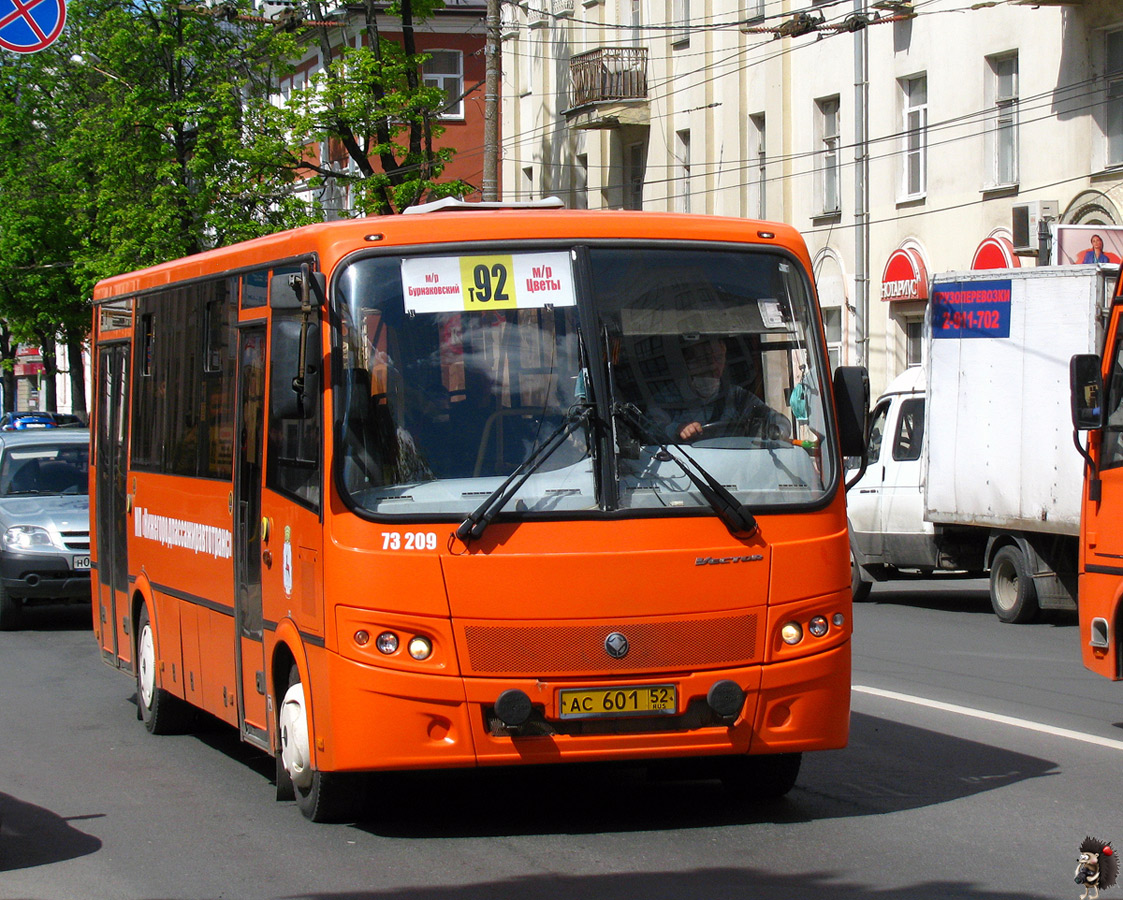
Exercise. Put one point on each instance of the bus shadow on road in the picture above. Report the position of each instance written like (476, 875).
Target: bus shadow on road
(33, 836)
(725, 883)
(888, 767)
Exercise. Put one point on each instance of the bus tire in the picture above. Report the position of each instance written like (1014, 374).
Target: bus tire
(1013, 595)
(11, 611)
(320, 796)
(161, 711)
(285, 789)
(765, 777)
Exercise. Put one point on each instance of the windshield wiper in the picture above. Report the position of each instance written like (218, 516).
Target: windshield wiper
(737, 518)
(478, 520)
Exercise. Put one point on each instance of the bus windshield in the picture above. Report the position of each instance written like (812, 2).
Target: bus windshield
(455, 369)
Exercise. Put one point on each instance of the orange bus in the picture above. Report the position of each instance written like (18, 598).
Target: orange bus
(1097, 408)
(480, 487)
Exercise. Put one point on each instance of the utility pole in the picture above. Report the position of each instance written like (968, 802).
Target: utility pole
(491, 103)
(861, 187)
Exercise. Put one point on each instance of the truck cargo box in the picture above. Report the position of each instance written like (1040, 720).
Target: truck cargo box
(1000, 446)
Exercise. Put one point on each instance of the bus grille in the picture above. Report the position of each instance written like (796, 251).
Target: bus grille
(682, 645)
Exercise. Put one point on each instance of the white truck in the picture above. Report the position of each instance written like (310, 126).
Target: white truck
(971, 466)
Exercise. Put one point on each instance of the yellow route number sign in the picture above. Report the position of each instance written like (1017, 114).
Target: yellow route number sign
(436, 284)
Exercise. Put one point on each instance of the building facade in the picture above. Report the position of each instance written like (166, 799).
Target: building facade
(901, 139)
(453, 38)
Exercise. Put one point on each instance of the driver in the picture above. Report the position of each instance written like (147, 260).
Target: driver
(710, 398)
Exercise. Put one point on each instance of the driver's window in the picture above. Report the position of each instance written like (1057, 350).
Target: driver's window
(1112, 456)
(877, 432)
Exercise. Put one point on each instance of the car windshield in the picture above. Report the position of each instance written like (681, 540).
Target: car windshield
(456, 369)
(45, 469)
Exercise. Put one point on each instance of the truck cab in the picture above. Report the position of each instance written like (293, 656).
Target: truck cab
(890, 536)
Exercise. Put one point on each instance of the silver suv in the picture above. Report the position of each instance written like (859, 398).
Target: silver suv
(44, 519)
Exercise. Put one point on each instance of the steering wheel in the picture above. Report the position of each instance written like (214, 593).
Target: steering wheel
(746, 432)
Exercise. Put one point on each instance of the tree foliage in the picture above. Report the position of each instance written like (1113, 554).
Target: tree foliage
(369, 101)
(150, 131)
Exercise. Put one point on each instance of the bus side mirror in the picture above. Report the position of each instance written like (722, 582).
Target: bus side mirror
(1086, 383)
(287, 291)
(852, 404)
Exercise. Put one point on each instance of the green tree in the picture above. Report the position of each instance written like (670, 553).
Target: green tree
(372, 102)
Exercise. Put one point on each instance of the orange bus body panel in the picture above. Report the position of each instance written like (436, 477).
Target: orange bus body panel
(1100, 588)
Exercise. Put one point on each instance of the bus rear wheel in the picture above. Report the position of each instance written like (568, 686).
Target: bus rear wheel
(161, 712)
(765, 777)
(320, 796)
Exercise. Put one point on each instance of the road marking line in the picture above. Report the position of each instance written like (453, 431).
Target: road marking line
(990, 717)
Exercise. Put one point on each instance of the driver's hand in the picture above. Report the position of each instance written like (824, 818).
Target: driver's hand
(691, 431)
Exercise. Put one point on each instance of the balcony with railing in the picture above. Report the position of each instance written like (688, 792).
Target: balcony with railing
(609, 87)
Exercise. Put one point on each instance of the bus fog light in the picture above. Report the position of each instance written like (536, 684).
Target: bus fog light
(387, 643)
(792, 633)
(420, 648)
(838, 619)
(362, 638)
(818, 626)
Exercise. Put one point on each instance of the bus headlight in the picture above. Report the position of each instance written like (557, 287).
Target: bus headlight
(420, 648)
(792, 633)
(818, 626)
(387, 643)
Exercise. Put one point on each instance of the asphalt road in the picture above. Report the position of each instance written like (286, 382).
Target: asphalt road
(981, 754)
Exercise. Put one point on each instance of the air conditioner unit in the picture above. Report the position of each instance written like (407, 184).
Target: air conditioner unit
(1025, 220)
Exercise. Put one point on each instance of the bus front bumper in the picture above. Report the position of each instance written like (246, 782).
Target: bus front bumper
(389, 719)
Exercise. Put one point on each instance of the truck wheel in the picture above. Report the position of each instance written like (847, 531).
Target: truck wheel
(859, 585)
(321, 796)
(1012, 591)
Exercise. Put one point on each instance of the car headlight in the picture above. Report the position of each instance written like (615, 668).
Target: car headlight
(28, 537)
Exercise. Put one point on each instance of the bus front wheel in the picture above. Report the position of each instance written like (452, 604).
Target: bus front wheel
(161, 712)
(321, 796)
(764, 777)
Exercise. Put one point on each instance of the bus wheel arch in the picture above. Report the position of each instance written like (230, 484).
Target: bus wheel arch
(161, 711)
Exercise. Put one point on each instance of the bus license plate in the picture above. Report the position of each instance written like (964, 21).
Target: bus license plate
(82, 562)
(586, 703)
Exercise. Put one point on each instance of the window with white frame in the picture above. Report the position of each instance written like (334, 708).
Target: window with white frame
(635, 20)
(1003, 133)
(914, 342)
(758, 207)
(828, 168)
(1113, 114)
(581, 181)
(914, 103)
(832, 330)
(633, 176)
(680, 15)
(682, 176)
(445, 70)
(754, 10)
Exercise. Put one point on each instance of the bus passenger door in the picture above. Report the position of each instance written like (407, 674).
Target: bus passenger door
(110, 493)
(249, 652)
